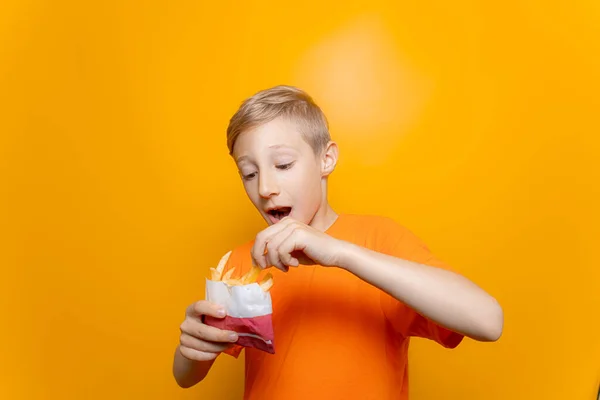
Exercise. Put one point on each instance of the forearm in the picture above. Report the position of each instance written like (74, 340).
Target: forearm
(440, 295)
(188, 372)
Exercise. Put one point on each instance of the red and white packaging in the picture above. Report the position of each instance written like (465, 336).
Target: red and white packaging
(249, 311)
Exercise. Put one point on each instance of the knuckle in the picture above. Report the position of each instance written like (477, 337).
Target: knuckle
(200, 332)
(183, 326)
(183, 339)
(198, 306)
(294, 231)
(286, 246)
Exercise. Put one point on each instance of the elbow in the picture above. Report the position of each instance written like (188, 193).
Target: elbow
(182, 384)
(185, 383)
(493, 323)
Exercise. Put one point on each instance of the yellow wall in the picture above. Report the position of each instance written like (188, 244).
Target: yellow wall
(117, 192)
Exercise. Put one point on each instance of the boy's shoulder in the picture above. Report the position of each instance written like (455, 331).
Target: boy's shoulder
(371, 219)
(373, 223)
(380, 232)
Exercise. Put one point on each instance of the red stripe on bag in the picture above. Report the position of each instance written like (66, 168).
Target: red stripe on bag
(255, 332)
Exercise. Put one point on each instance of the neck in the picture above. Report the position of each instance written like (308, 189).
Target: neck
(324, 218)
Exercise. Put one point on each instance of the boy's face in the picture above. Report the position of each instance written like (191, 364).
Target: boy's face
(281, 173)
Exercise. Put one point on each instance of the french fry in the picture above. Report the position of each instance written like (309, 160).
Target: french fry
(222, 264)
(214, 274)
(267, 282)
(249, 277)
(227, 275)
(233, 282)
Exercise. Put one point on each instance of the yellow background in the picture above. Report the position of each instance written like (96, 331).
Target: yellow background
(475, 124)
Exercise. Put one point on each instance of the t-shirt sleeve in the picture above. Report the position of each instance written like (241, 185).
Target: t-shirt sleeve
(402, 243)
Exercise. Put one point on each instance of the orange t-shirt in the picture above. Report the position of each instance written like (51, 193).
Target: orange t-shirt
(336, 336)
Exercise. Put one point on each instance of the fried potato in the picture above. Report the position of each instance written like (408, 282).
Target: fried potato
(216, 274)
(227, 275)
(267, 282)
(222, 263)
(251, 276)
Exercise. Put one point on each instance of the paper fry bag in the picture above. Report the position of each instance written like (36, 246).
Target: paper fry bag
(247, 303)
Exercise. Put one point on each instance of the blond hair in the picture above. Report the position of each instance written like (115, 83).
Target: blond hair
(281, 101)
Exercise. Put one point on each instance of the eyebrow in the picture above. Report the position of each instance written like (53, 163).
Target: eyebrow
(242, 158)
(273, 146)
(280, 146)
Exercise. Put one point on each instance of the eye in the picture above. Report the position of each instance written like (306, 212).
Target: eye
(248, 177)
(285, 166)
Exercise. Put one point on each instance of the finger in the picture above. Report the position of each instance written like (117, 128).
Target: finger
(273, 252)
(291, 246)
(202, 331)
(259, 248)
(203, 307)
(201, 345)
(196, 355)
(302, 258)
(258, 259)
(273, 260)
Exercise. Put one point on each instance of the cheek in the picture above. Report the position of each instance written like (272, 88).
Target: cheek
(307, 186)
(252, 191)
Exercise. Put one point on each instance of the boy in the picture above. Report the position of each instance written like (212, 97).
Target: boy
(342, 319)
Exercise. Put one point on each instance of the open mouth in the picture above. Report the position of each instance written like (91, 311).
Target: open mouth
(279, 213)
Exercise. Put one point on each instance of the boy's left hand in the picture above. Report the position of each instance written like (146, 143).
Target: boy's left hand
(290, 243)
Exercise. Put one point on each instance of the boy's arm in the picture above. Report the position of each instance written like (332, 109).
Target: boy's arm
(442, 296)
(199, 344)
(188, 372)
(438, 294)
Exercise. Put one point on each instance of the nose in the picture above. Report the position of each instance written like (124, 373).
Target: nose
(267, 185)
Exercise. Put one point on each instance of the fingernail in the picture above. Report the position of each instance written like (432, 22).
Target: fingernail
(233, 337)
(221, 312)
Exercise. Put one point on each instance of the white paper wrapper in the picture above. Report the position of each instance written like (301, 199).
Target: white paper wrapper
(249, 310)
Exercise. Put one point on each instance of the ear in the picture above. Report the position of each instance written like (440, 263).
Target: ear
(329, 159)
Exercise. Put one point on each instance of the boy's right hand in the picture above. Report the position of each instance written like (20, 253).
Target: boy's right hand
(201, 342)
